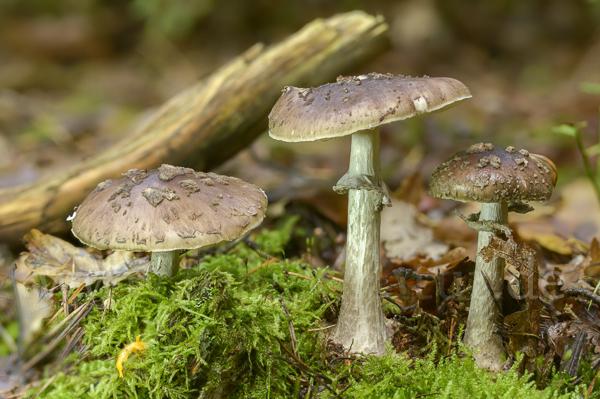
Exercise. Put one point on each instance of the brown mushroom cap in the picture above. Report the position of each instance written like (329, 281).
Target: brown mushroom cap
(488, 173)
(167, 209)
(357, 103)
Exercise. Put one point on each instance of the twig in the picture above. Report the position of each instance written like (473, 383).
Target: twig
(586, 162)
(452, 323)
(291, 327)
(109, 301)
(34, 360)
(583, 292)
(77, 291)
(322, 328)
(63, 267)
(265, 264)
(306, 369)
(339, 395)
(299, 275)
(69, 346)
(484, 225)
(289, 352)
(594, 366)
(577, 352)
(46, 385)
(339, 280)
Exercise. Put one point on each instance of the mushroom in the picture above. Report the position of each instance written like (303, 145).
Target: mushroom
(357, 106)
(493, 176)
(165, 210)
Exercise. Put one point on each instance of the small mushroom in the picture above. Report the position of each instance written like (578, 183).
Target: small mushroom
(493, 176)
(165, 210)
(357, 106)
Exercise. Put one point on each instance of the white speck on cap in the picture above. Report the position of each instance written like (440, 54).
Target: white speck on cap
(420, 104)
(69, 218)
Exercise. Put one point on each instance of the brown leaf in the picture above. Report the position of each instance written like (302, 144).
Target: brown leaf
(66, 264)
(594, 251)
(404, 237)
(34, 306)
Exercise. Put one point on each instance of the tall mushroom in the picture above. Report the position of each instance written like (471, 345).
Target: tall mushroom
(493, 176)
(165, 210)
(357, 106)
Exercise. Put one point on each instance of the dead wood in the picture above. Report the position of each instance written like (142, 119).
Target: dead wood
(206, 124)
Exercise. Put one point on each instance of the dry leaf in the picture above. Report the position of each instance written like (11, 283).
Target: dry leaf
(553, 243)
(33, 307)
(66, 264)
(594, 251)
(403, 237)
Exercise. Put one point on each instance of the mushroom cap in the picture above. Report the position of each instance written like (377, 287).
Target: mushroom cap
(167, 209)
(488, 173)
(357, 103)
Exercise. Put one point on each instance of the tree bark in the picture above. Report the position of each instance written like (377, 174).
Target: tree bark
(206, 124)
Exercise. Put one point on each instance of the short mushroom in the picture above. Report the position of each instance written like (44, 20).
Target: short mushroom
(165, 210)
(357, 106)
(493, 176)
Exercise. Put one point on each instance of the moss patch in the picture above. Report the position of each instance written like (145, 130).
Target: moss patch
(215, 331)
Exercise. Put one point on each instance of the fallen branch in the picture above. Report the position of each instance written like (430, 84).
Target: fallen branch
(206, 124)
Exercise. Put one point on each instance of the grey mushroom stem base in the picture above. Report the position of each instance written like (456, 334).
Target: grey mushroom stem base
(361, 323)
(489, 352)
(164, 263)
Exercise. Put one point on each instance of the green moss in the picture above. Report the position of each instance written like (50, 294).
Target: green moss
(210, 330)
(391, 377)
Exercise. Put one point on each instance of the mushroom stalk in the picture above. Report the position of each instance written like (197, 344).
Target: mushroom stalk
(483, 309)
(164, 263)
(361, 323)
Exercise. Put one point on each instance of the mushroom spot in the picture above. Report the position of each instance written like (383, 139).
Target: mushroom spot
(480, 147)
(521, 161)
(155, 196)
(169, 172)
(189, 186)
(137, 176)
(101, 186)
(123, 190)
(195, 215)
(223, 180)
(233, 211)
(207, 181)
(303, 93)
(495, 161)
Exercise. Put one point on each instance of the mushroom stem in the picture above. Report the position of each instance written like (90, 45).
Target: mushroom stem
(361, 323)
(479, 332)
(164, 263)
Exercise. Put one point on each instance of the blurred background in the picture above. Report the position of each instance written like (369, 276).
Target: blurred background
(78, 75)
